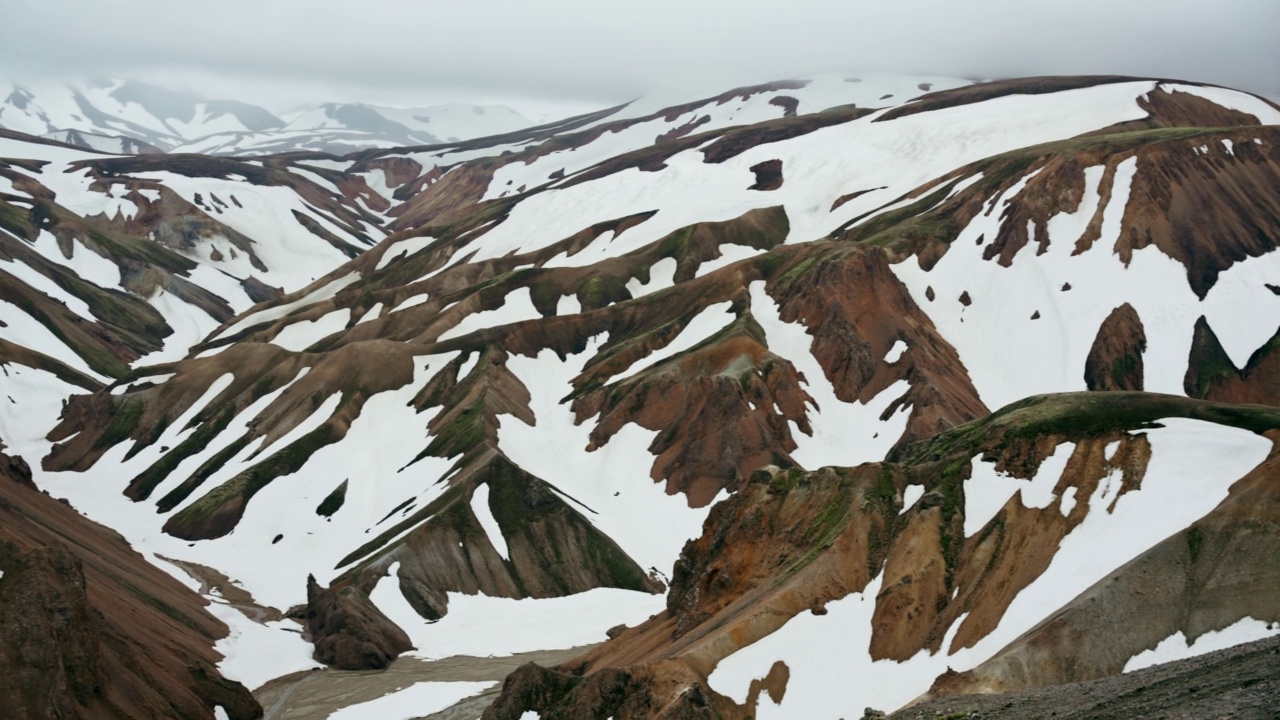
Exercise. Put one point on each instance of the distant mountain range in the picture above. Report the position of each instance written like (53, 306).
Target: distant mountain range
(134, 117)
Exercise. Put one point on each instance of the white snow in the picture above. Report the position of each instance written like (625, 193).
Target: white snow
(898, 155)
(275, 572)
(516, 307)
(190, 325)
(1068, 501)
(148, 380)
(895, 352)
(468, 365)
(403, 249)
(417, 700)
(568, 305)
(1176, 647)
(324, 292)
(29, 275)
(1048, 354)
(22, 329)
(987, 491)
(301, 335)
(411, 301)
(339, 165)
(711, 320)
(909, 497)
(482, 626)
(1230, 99)
(258, 652)
(293, 255)
(729, 254)
(480, 507)
(89, 265)
(371, 314)
(662, 275)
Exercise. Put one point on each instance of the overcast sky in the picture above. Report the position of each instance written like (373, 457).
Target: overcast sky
(545, 56)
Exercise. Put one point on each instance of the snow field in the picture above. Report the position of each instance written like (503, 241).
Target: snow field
(482, 626)
(819, 167)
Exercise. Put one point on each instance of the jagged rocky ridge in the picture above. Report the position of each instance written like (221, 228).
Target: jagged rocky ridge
(544, 334)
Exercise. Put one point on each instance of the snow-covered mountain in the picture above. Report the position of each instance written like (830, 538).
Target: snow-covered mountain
(157, 116)
(963, 375)
(345, 128)
(132, 117)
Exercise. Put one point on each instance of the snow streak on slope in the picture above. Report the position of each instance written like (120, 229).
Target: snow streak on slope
(1176, 647)
(293, 254)
(480, 507)
(515, 307)
(275, 312)
(987, 490)
(1192, 465)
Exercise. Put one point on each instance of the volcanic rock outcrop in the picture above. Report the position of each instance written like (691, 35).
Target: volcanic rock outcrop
(90, 629)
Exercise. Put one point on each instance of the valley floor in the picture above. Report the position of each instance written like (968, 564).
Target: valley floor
(318, 694)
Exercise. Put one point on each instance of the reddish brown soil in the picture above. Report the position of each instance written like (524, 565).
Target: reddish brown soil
(89, 629)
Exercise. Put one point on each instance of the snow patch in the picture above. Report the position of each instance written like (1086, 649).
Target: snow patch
(1176, 647)
(480, 507)
(482, 626)
(895, 352)
(301, 335)
(517, 306)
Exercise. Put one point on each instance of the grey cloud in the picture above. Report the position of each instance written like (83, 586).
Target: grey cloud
(586, 50)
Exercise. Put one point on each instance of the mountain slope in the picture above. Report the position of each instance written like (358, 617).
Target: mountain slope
(578, 339)
(91, 629)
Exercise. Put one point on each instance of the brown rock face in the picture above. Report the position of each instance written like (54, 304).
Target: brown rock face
(1212, 375)
(89, 629)
(49, 636)
(1206, 577)
(768, 175)
(553, 550)
(349, 632)
(856, 309)
(1115, 361)
(1207, 213)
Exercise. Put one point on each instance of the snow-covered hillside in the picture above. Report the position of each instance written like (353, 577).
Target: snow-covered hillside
(130, 117)
(577, 340)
